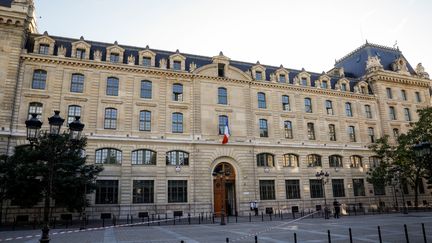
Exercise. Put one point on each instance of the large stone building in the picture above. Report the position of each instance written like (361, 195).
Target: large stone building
(155, 119)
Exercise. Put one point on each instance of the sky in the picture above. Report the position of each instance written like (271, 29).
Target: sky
(308, 34)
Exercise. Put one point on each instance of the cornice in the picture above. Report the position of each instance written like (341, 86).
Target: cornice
(392, 77)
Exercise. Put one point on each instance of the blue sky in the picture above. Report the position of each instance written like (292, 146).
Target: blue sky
(298, 34)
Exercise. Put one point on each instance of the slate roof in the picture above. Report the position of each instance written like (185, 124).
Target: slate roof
(354, 63)
(6, 3)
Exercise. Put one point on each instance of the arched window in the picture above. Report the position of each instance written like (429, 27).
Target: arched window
(110, 118)
(177, 92)
(374, 161)
(177, 122)
(222, 96)
(291, 160)
(265, 159)
(143, 157)
(77, 83)
(108, 156)
(335, 161)
(112, 86)
(288, 129)
(356, 161)
(308, 105)
(262, 100)
(35, 108)
(314, 160)
(177, 157)
(145, 121)
(311, 131)
(348, 109)
(263, 128)
(39, 79)
(146, 89)
(329, 107)
(285, 103)
(73, 111)
(223, 121)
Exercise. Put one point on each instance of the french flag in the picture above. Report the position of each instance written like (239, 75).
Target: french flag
(226, 133)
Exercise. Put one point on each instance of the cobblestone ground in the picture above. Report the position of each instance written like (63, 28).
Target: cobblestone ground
(364, 229)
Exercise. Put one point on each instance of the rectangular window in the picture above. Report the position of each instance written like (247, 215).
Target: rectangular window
(348, 109)
(143, 191)
(114, 57)
(418, 97)
(292, 189)
(145, 121)
(221, 70)
(177, 65)
(371, 134)
(403, 95)
(351, 134)
(316, 188)
(379, 190)
(43, 49)
(303, 81)
(389, 93)
(110, 121)
(338, 188)
(407, 114)
(80, 53)
(177, 122)
(368, 111)
(177, 92)
(146, 89)
(358, 186)
(267, 190)
(324, 84)
(112, 87)
(308, 105)
(311, 131)
(332, 132)
(344, 87)
(263, 128)
(329, 107)
(285, 103)
(288, 129)
(282, 78)
(106, 192)
(262, 100)
(223, 121)
(222, 96)
(177, 191)
(73, 111)
(392, 113)
(146, 61)
(77, 83)
(258, 75)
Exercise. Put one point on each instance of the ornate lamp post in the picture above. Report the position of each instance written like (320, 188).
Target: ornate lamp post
(324, 177)
(220, 177)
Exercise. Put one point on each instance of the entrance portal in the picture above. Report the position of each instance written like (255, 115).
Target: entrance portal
(224, 189)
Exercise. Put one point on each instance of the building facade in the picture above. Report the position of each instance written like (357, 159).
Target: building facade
(155, 119)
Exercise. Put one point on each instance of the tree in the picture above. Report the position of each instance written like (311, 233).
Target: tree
(54, 166)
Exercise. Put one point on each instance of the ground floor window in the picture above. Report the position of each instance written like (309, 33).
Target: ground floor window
(267, 190)
(338, 188)
(316, 188)
(106, 192)
(177, 191)
(359, 189)
(143, 191)
(379, 189)
(292, 188)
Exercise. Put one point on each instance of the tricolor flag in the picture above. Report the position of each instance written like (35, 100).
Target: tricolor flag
(226, 133)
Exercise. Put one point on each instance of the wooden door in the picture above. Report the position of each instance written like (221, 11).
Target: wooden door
(218, 196)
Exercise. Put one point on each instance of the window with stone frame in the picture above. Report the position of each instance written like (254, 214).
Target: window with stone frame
(263, 126)
(108, 156)
(358, 187)
(223, 121)
(356, 161)
(282, 78)
(35, 108)
(288, 130)
(80, 53)
(314, 160)
(177, 191)
(332, 132)
(73, 111)
(44, 49)
(145, 121)
(106, 192)
(143, 157)
(371, 134)
(143, 191)
(308, 105)
(418, 97)
(110, 121)
(335, 161)
(374, 161)
(407, 114)
(368, 111)
(114, 57)
(389, 93)
(267, 190)
(146, 61)
(348, 109)
(292, 189)
(351, 134)
(177, 158)
(177, 122)
(316, 188)
(112, 86)
(285, 103)
(39, 79)
(77, 83)
(177, 65)
(146, 89)
(262, 100)
(222, 96)
(392, 113)
(329, 107)
(258, 75)
(379, 189)
(324, 84)
(338, 187)
(265, 160)
(310, 131)
(177, 92)
(343, 87)
(304, 81)
(291, 160)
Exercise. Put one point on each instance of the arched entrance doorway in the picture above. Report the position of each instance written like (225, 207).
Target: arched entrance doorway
(224, 189)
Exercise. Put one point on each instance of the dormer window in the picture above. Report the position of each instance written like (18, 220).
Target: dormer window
(80, 53)
(114, 57)
(324, 84)
(344, 87)
(363, 90)
(258, 75)
(177, 65)
(304, 81)
(221, 70)
(44, 49)
(146, 61)
(282, 78)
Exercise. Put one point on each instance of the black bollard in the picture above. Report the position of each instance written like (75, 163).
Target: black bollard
(55, 221)
(127, 219)
(262, 216)
(148, 221)
(293, 214)
(174, 221)
(114, 220)
(236, 215)
(34, 222)
(256, 239)
(250, 217)
(355, 211)
(328, 234)
(152, 217)
(281, 216)
(182, 241)
(103, 222)
(295, 237)
(227, 239)
(424, 233)
(199, 218)
(270, 217)
(213, 218)
(379, 234)
(406, 233)
(227, 217)
(350, 235)
(158, 219)
(189, 219)
(131, 219)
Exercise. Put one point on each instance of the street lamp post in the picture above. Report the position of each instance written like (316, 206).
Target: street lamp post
(33, 126)
(324, 177)
(220, 177)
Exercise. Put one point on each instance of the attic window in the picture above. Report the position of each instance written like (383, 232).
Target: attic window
(363, 90)
(282, 78)
(146, 61)
(80, 53)
(304, 81)
(258, 75)
(324, 84)
(114, 57)
(344, 87)
(43, 49)
(177, 65)
(221, 70)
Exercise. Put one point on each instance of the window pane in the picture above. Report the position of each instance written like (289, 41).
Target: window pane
(177, 123)
(143, 191)
(177, 92)
(338, 188)
(267, 190)
(292, 189)
(261, 100)
(106, 192)
(316, 188)
(223, 120)
(112, 86)
(308, 105)
(177, 191)
(39, 79)
(145, 121)
(263, 128)
(110, 118)
(146, 89)
(222, 96)
(288, 129)
(77, 83)
(73, 111)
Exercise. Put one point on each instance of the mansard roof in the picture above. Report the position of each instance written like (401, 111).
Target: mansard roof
(354, 63)
(6, 3)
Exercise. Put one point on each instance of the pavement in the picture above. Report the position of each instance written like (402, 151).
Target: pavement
(363, 228)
